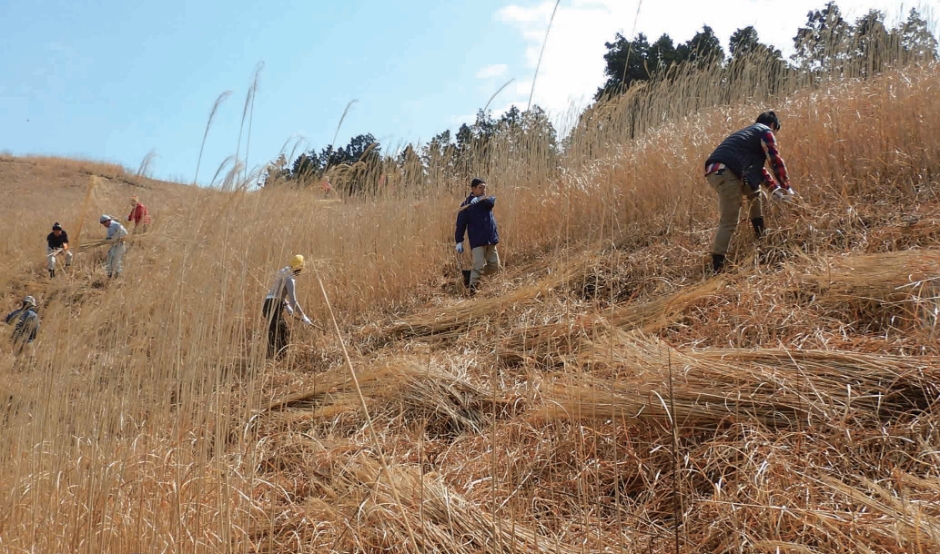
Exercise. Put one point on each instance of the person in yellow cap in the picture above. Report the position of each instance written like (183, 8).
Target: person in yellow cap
(281, 296)
(139, 215)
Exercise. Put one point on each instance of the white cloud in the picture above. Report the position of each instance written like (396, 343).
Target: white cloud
(572, 66)
(459, 120)
(491, 71)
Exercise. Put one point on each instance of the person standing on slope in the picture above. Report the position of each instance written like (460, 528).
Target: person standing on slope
(283, 295)
(475, 219)
(116, 234)
(736, 169)
(139, 215)
(57, 242)
(25, 323)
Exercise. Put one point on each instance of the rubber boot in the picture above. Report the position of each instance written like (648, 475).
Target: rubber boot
(466, 278)
(758, 223)
(51, 273)
(718, 263)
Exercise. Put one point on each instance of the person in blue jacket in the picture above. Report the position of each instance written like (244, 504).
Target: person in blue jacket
(475, 219)
(25, 323)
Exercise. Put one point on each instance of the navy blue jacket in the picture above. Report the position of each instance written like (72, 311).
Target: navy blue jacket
(478, 222)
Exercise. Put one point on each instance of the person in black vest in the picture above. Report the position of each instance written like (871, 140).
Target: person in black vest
(475, 219)
(735, 169)
(57, 242)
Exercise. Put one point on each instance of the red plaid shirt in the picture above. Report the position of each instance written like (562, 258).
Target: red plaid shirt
(769, 142)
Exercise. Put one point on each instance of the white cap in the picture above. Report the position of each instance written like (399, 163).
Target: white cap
(104, 218)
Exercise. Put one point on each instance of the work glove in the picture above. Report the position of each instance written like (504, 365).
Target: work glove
(782, 194)
(460, 248)
(290, 311)
(475, 199)
(306, 320)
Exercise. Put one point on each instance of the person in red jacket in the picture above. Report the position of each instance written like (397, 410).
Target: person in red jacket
(139, 215)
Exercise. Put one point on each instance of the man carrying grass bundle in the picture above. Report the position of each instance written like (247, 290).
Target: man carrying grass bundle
(475, 219)
(735, 169)
(283, 295)
(116, 234)
(57, 242)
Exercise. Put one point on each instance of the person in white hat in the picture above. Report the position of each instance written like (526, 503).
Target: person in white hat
(25, 323)
(116, 234)
(281, 296)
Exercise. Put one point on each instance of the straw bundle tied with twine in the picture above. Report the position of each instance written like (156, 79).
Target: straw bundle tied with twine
(775, 387)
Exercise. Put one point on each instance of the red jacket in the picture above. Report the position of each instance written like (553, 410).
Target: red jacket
(139, 215)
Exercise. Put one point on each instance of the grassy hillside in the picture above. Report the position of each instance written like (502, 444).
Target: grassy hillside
(602, 394)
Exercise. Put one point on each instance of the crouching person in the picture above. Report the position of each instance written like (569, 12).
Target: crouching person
(25, 323)
(57, 242)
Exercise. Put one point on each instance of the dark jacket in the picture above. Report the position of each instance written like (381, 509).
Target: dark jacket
(743, 153)
(478, 222)
(27, 324)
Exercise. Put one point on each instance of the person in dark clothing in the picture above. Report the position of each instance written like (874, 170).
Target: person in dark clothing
(736, 169)
(475, 219)
(57, 242)
(25, 323)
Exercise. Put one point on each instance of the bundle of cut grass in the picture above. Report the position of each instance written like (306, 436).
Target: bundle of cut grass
(405, 387)
(887, 289)
(547, 344)
(102, 242)
(440, 520)
(628, 376)
(454, 320)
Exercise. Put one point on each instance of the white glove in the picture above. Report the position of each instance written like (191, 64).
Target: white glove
(783, 194)
(306, 320)
(475, 199)
(460, 248)
(290, 311)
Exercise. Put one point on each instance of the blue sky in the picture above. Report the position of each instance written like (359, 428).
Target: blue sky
(111, 80)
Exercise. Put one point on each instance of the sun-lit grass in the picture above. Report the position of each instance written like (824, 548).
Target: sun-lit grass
(600, 394)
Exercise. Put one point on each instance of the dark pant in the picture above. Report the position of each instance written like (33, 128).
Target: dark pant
(278, 331)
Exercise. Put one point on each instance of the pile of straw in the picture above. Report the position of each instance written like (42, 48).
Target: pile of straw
(356, 496)
(406, 388)
(627, 377)
(549, 344)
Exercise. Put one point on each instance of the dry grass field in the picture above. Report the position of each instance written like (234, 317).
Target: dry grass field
(602, 394)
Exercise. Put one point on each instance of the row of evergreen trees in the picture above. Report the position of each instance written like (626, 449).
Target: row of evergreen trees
(826, 46)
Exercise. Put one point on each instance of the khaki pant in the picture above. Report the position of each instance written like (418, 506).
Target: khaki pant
(485, 262)
(51, 254)
(730, 189)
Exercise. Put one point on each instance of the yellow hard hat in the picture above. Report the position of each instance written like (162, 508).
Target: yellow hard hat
(297, 262)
